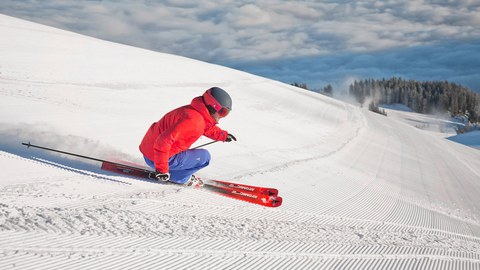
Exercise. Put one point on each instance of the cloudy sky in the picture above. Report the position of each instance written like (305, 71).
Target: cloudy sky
(313, 42)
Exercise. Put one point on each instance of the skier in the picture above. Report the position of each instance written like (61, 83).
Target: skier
(166, 144)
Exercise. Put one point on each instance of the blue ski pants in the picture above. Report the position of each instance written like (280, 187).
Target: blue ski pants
(184, 164)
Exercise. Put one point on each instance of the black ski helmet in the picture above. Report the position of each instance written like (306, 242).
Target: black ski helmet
(219, 100)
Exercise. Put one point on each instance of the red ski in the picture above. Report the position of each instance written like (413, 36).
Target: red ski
(256, 198)
(127, 169)
(245, 188)
(252, 194)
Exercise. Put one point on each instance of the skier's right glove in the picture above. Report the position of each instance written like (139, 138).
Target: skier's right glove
(164, 177)
(230, 138)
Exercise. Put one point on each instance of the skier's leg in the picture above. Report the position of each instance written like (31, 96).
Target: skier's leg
(186, 163)
(149, 162)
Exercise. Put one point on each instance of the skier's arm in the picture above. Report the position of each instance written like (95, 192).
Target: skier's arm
(161, 151)
(216, 133)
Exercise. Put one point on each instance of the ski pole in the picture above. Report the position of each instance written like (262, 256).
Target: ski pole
(95, 159)
(81, 156)
(204, 144)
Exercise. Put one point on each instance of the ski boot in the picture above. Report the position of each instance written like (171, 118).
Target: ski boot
(194, 182)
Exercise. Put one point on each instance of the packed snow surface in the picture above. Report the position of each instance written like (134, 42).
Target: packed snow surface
(360, 190)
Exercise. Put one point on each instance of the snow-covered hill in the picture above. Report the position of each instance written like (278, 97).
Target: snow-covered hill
(361, 191)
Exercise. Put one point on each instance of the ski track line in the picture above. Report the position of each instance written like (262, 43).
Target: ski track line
(156, 206)
(425, 215)
(349, 188)
(188, 221)
(442, 172)
(112, 231)
(461, 184)
(339, 144)
(90, 217)
(361, 207)
(139, 244)
(48, 226)
(371, 186)
(430, 202)
(117, 258)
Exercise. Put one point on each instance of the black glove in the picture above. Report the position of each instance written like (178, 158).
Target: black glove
(230, 137)
(164, 177)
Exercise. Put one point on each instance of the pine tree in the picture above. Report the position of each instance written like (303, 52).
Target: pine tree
(422, 97)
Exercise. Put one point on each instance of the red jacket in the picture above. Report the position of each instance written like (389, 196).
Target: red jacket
(177, 131)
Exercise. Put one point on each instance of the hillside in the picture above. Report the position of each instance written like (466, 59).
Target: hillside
(361, 191)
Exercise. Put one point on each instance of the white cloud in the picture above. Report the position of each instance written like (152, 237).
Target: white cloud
(247, 16)
(233, 31)
(298, 28)
(448, 61)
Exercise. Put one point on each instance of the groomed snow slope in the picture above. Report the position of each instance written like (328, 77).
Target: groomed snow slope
(361, 191)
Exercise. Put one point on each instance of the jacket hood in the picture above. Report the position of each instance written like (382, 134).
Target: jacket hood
(198, 104)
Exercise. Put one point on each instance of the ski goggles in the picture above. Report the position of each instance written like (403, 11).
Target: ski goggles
(223, 112)
(210, 100)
